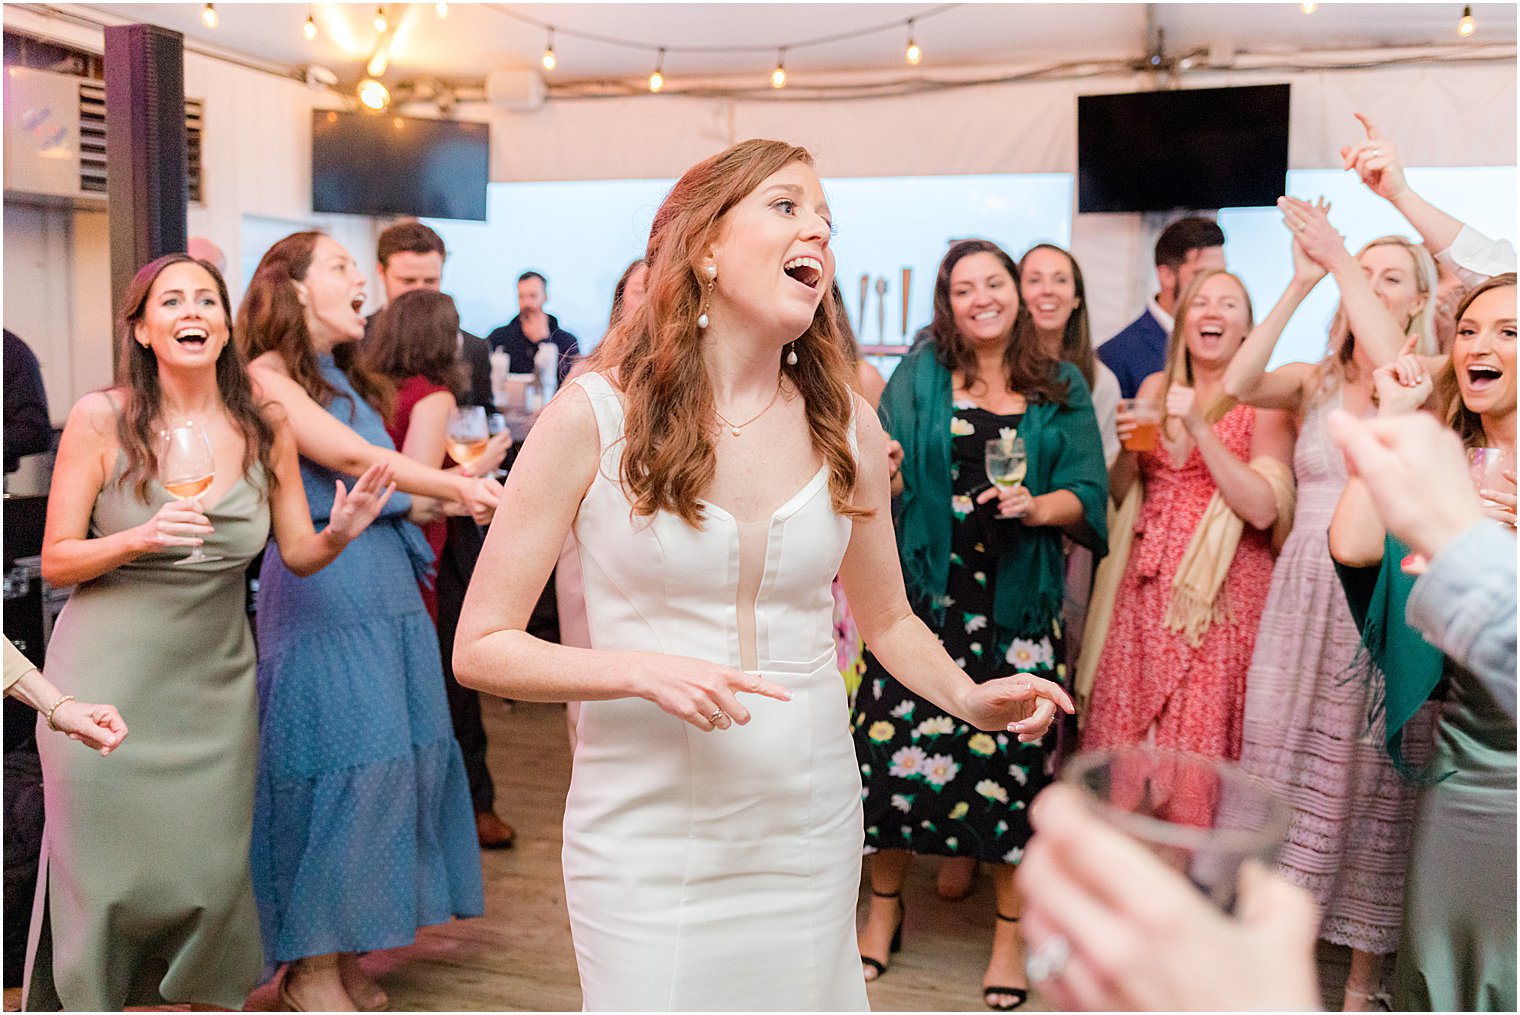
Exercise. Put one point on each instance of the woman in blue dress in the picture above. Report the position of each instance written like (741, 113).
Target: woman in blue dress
(363, 828)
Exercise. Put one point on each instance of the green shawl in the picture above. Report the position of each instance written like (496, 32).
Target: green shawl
(1404, 667)
(1065, 452)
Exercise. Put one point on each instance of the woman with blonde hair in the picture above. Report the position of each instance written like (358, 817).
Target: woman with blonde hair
(1173, 670)
(1456, 946)
(1304, 721)
(717, 472)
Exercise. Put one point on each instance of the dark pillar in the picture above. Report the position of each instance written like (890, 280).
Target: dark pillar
(147, 172)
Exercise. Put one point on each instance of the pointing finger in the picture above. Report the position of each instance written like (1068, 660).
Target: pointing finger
(756, 684)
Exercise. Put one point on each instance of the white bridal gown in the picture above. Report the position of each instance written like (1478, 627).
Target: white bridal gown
(714, 871)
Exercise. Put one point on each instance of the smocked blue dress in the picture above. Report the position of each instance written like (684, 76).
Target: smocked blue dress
(363, 829)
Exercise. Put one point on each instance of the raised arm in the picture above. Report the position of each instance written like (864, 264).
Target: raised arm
(493, 651)
(1379, 335)
(1247, 379)
(1376, 160)
(873, 583)
(86, 456)
(328, 442)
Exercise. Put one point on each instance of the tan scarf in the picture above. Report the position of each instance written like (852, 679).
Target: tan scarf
(1195, 603)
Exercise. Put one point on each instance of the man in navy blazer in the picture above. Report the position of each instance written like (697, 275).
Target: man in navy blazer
(1185, 248)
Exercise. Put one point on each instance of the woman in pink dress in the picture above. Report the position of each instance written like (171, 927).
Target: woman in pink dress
(1173, 669)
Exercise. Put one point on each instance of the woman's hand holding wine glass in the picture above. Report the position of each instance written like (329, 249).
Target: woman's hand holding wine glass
(186, 468)
(1007, 463)
(177, 523)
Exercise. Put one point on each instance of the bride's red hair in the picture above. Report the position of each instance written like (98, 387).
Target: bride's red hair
(655, 353)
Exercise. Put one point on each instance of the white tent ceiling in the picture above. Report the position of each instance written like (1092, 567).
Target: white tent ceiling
(475, 39)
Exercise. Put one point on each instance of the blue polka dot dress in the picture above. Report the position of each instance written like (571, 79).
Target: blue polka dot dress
(363, 828)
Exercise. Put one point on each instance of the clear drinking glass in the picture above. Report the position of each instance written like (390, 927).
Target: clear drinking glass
(1147, 415)
(468, 433)
(186, 468)
(1005, 461)
(1203, 816)
(1488, 466)
(496, 423)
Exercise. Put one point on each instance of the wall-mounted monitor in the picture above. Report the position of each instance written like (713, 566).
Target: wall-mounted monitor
(380, 164)
(1192, 148)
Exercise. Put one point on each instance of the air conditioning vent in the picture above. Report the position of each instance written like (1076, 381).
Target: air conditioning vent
(50, 153)
(92, 137)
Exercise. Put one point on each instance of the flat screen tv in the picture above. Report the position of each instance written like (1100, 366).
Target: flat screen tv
(1194, 148)
(379, 164)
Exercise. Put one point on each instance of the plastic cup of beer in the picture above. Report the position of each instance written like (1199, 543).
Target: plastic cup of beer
(1146, 412)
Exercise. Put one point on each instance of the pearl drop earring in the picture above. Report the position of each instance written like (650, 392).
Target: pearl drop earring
(712, 278)
(791, 354)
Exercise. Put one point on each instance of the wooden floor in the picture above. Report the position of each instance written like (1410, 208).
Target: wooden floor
(518, 956)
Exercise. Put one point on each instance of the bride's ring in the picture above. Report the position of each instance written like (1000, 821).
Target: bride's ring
(1047, 960)
(717, 716)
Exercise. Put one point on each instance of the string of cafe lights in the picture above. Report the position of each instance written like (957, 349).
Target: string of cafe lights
(375, 95)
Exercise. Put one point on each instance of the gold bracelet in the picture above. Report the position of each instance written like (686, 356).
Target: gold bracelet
(49, 716)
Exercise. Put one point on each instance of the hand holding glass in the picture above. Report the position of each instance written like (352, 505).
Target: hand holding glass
(1005, 461)
(1146, 415)
(1204, 816)
(467, 433)
(186, 468)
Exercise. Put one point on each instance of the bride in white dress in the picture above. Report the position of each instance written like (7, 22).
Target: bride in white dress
(717, 473)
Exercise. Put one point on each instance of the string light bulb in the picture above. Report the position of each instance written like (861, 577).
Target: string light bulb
(914, 54)
(442, 9)
(378, 63)
(381, 23)
(209, 16)
(1465, 27)
(657, 79)
(778, 76)
(310, 28)
(549, 60)
(373, 94)
(1308, 8)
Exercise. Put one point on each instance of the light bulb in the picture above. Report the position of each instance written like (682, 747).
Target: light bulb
(381, 24)
(914, 53)
(378, 63)
(373, 94)
(309, 29)
(442, 9)
(210, 20)
(656, 81)
(1309, 8)
(1465, 27)
(550, 61)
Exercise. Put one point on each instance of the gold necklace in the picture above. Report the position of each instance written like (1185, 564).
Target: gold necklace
(736, 428)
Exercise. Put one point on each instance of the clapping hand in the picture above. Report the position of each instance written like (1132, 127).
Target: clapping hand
(98, 727)
(1306, 270)
(1312, 231)
(353, 510)
(1022, 704)
(1376, 161)
(1403, 385)
(1182, 405)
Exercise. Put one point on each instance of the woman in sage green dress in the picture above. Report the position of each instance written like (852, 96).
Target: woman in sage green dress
(1457, 946)
(144, 890)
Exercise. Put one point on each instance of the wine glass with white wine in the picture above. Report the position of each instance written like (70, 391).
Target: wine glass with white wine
(1005, 461)
(186, 468)
(468, 433)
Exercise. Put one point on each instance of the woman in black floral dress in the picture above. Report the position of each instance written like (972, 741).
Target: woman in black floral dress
(985, 571)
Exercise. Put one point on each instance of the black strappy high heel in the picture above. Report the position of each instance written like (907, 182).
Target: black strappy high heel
(1019, 994)
(902, 912)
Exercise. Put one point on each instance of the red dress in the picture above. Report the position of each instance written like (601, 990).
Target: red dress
(408, 393)
(1149, 676)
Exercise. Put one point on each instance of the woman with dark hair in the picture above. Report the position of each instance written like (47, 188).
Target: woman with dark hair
(717, 472)
(1456, 950)
(172, 920)
(1304, 722)
(987, 578)
(1054, 313)
(1173, 670)
(358, 839)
